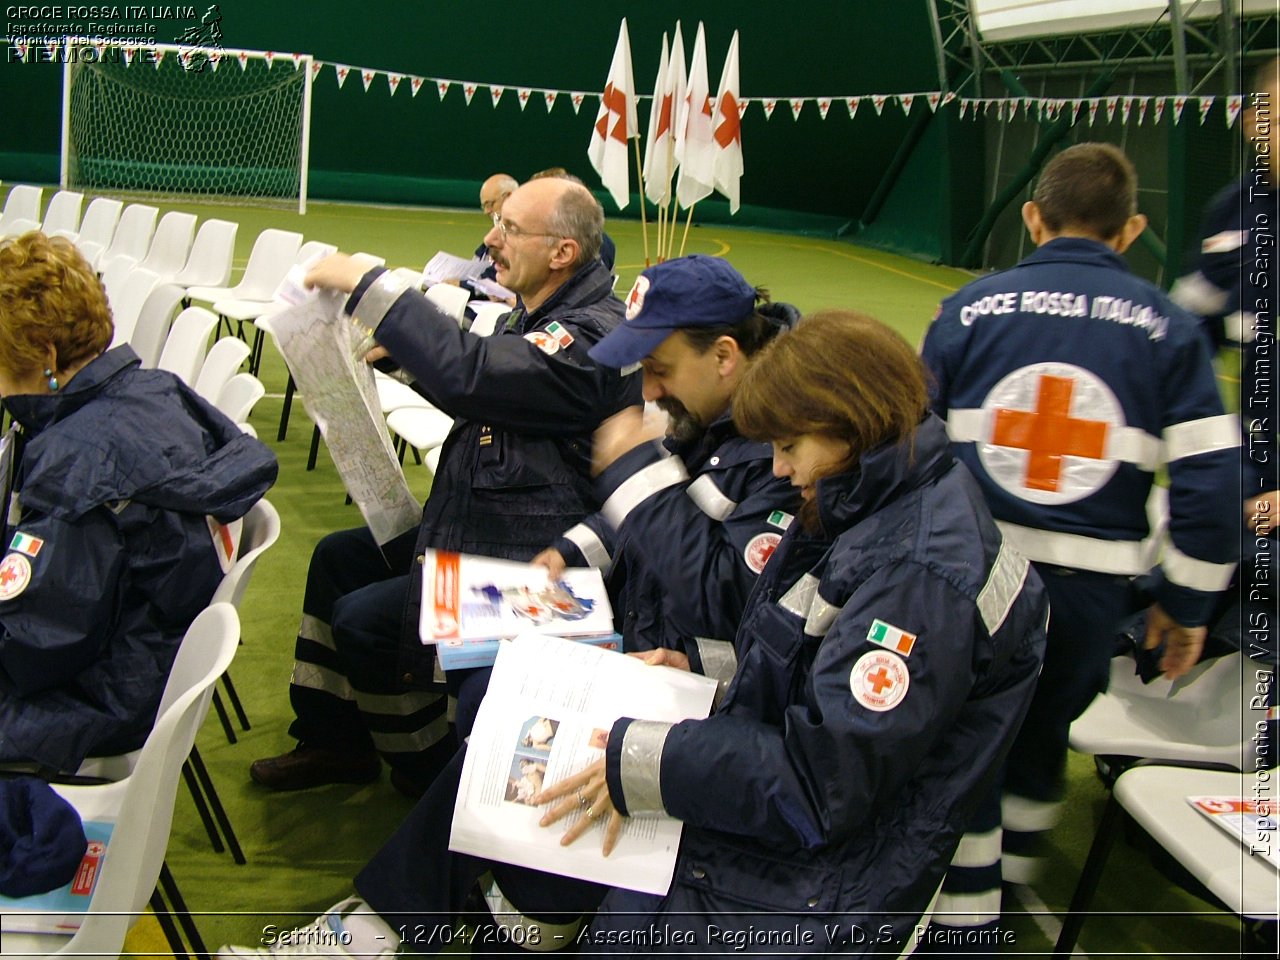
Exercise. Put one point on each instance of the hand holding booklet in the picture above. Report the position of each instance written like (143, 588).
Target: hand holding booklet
(547, 714)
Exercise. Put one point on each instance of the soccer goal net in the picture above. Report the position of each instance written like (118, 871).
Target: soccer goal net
(188, 122)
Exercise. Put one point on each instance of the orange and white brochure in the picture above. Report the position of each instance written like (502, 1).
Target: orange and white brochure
(1250, 822)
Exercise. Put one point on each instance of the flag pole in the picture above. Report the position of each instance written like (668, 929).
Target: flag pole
(688, 220)
(644, 216)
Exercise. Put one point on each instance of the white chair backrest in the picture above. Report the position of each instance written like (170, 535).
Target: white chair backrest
(261, 529)
(135, 289)
(238, 395)
(314, 248)
(219, 366)
(144, 801)
(269, 260)
(188, 340)
(487, 313)
(114, 276)
(209, 264)
(21, 207)
(452, 300)
(99, 224)
(133, 233)
(170, 244)
(63, 215)
(154, 320)
(369, 260)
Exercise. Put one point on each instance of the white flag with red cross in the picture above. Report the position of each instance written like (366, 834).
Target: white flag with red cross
(615, 123)
(727, 131)
(695, 143)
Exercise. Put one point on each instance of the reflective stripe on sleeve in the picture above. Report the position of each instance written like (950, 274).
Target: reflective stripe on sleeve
(709, 498)
(641, 766)
(377, 300)
(1206, 435)
(593, 549)
(1003, 585)
(1125, 557)
(1196, 574)
(640, 486)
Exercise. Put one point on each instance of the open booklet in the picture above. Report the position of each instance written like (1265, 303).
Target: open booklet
(547, 714)
(467, 597)
(1243, 820)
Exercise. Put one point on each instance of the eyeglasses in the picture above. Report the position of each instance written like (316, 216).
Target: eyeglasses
(512, 232)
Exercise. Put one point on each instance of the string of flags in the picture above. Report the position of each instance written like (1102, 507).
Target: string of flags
(1129, 108)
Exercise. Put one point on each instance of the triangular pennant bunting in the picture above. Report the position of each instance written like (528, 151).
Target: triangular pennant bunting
(315, 68)
(523, 94)
(823, 107)
(214, 59)
(948, 97)
(341, 70)
(21, 47)
(742, 107)
(1076, 106)
(495, 93)
(964, 108)
(1112, 103)
(852, 104)
(270, 58)
(297, 60)
(933, 99)
(393, 81)
(797, 104)
(244, 60)
(442, 87)
(468, 91)
(159, 56)
(906, 99)
(1205, 104)
(576, 99)
(1142, 109)
(1126, 105)
(1233, 109)
(768, 106)
(366, 77)
(549, 96)
(1157, 110)
(1178, 103)
(877, 101)
(415, 84)
(1094, 103)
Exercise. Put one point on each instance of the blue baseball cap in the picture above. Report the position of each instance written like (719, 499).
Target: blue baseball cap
(693, 291)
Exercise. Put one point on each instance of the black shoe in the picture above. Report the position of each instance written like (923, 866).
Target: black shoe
(306, 767)
(407, 785)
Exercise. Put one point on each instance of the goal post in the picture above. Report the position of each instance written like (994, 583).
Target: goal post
(186, 122)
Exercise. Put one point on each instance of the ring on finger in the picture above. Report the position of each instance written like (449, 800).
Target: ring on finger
(582, 801)
(591, 814)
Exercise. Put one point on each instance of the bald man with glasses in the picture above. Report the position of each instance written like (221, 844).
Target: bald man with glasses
(513, 473)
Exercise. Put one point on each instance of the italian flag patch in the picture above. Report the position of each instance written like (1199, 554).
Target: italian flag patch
(25, 543)
(891, 637)
(562, 336)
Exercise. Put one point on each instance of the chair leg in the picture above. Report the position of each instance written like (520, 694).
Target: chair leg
(255, 351)
(223, 718)
(315, 448)
(202, 808)
(1112, 817)
(289, 389)
(219, 812)
(165, 919)
(236, 705)
(169, 886)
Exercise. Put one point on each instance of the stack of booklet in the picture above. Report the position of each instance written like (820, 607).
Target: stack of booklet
(471, 603)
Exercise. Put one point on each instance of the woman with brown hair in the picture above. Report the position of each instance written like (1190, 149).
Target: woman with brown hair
(118, 482)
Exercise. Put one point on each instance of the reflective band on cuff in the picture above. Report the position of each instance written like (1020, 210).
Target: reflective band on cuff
(317, 631)
(799, 598)
(639, 486)
(1194, 292)
(719, 659)
(377, 300)
(1003, 585)
(593, 549)
(710, 500)
(1125, 557)
(820, 617)
(1025, 815)
(978, 849)
(1018, 868)
(1201, 436)
(967, 909)
(396, 704)
(641, 767)
(1238, 327)
(1187, 571)
(323, 679)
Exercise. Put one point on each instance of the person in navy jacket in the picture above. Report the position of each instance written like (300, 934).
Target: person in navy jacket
(1066, 384)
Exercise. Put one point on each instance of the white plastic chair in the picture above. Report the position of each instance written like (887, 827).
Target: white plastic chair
(141, 805)
(127, 306)
(422, 428)
(487, 313)
(62, 215)
(220, 365)
(21, 207)
(131, 239)
(114, 277)
(188, 341)
(452, 300)
(269, 260)
(170, 245)
(98, 226)
(209, 264)
(154, 320)
(239, 395)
